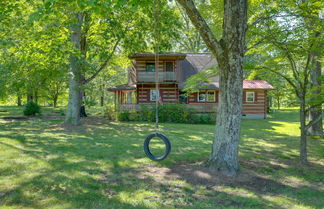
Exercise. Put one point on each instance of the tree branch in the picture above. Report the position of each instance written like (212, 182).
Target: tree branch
(286, 78)
(313, 122)
(198, 21)
(103, 64)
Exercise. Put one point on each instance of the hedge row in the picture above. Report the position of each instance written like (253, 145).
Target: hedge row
(174, 113)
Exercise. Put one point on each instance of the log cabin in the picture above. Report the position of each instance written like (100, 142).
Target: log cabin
(173, 71)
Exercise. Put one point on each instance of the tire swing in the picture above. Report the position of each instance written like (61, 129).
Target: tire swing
(157, 98)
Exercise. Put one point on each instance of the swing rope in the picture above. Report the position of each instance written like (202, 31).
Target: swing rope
(166, 141)
(156, 51)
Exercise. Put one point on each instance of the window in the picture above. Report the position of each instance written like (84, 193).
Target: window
(249, 97)
(211, 96)
(201, 97)
(183, 98)
(169, 66)
(154, 95)
(150, 67)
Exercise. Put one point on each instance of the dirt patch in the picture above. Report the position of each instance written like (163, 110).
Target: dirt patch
(198, 174)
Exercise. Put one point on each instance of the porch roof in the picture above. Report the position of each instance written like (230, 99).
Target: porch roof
(122, 87)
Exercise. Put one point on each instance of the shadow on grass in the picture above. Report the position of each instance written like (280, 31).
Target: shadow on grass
(102, 165)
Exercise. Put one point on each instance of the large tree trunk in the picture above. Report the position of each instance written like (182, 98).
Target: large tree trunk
(317, 128)
(73, 112)
(303, 136)
(229, 53)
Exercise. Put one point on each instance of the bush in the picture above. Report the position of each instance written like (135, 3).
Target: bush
(123, 116)
(109, 112)
(32, 108)
(171, 113)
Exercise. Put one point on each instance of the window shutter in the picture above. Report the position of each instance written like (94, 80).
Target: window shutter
(244, 96)
(255, 97)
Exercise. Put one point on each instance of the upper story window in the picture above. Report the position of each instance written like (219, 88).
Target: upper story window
(150, 67)
(249, 97)
(169, 66)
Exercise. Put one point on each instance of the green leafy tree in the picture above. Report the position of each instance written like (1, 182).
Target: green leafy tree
(288, 46)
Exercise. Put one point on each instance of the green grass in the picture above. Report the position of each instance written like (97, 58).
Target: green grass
(101, 164)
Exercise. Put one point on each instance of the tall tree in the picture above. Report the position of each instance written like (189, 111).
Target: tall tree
(229, 52)
(288, 51)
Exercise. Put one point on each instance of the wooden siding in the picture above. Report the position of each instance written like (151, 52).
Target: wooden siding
(259, 106)
(140, 66)
(168, 92)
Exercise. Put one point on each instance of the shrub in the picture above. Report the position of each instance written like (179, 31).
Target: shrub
(146, 112)
(109, 112)
(32, 108)
(172, 113)
(123, 116)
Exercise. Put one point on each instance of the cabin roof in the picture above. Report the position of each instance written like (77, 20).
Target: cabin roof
(195, 63)
(122, 87)
(191, 64)
(177, 55)
(256, 84)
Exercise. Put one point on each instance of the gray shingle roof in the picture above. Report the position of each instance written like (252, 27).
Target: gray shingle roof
(152, 55)
(195, 63)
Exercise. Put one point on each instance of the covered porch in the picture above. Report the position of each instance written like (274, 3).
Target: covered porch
(124, 96)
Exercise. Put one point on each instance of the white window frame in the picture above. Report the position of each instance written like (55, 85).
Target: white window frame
(214, 96)
(151, 95)
(206, 96)
(246, 96)
(202, 92)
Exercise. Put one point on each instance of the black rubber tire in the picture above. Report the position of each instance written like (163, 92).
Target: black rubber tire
(147, 148)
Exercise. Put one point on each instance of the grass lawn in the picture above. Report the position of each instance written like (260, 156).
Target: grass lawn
(46, 164)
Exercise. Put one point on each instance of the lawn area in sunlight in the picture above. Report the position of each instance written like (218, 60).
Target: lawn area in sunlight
(101, 164)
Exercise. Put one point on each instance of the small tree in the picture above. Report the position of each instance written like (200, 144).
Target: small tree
(290, 34)
(31, 109)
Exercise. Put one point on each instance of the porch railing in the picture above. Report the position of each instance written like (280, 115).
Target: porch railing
(150, 76)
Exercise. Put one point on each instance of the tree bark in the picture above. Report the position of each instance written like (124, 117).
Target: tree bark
(303, 136)
(74, 103)
(36, 96)
(19, 99)
(55, 98)
(29, 97)
(317, 128)
(229, 52)
(102, 101)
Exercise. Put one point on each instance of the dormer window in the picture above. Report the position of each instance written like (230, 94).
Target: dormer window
(169, 66)
(150, 67)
